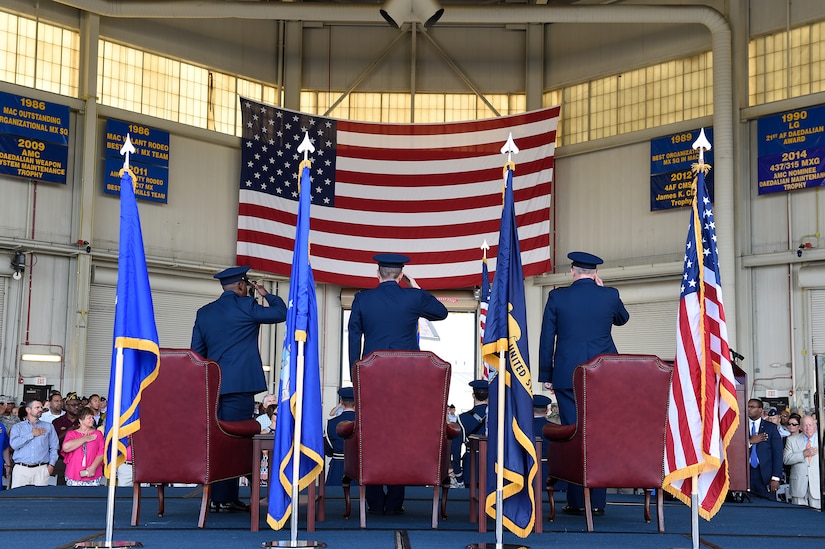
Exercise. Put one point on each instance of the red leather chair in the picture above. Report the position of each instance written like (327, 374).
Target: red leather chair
(187, 445)
(392, 388)
(618, 440)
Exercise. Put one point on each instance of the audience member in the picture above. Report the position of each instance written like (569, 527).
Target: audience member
(334, 443)
(68, 421)
(773, 417)
(55, 408)
(5, 460)
(8, 413)
(765, 452)
(83, 452)
(35, 448)
(802, 454)
(95, 405)
(265, 418)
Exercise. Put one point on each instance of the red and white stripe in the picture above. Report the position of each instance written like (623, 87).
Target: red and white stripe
(429, 191)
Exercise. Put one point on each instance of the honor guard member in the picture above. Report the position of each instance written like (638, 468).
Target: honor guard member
(387, 319)
(226, 331)
(334, 443)
(473, 422)
(576, 327)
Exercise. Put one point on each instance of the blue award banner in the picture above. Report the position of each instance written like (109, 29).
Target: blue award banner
(149, 162)
(34, 138)
(152, 182)
(791, 150)
(671, 178)
(34, 119)
(32, 159)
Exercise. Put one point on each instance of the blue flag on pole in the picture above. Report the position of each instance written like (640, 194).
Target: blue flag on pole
(135, 331)
(301, 325)
(506, 331)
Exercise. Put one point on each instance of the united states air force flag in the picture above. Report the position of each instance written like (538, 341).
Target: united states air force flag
(301, 325)
(506, 331)
(135, 334)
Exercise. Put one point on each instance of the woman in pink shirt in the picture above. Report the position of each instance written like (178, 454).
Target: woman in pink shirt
(83, 452)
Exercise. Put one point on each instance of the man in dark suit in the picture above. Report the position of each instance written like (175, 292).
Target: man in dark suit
(387, 319)
(226, 331)
(764, 452)
(575, 328)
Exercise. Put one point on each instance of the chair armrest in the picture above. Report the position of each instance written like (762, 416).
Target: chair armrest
(245, 428)
(345, 429)
(551, 431)
(452, 430)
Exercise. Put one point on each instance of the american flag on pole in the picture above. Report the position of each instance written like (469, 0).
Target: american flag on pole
(428, 191)
(484, 301)
(703, 412)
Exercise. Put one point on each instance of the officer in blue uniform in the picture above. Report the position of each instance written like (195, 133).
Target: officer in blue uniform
(334, 443)
(387, 319)
(540, 404)
(473, 422)
(575, 328)
(226, 331)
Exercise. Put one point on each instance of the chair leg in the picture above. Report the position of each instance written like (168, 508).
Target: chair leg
(362, 494)
(322, 498)
(550, 483)
(434, 521)
(207, 490)
(660, 509)
(647, 505)
(445, 490)
(345, 484)
(588, 510)
(161, 501)
(135, 503)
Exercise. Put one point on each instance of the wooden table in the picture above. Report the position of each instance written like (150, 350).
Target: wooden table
(315, 493)
(478, 490)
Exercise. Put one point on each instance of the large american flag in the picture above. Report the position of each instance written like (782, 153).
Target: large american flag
(429, 191)
(703, 413)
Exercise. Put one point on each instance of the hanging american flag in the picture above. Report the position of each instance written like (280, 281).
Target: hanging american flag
(703, 412)
(428, 191)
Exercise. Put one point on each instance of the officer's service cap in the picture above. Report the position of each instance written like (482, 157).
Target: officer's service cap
(541, 401)
(585, 260)
(480, 384)
(395, 261)
(231, 275)
(346, 393)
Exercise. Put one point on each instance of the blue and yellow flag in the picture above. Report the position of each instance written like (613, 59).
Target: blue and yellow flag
(135, 334)
(301, 325)
(506, 331)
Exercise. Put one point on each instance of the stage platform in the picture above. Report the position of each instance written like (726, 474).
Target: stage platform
(59, 517)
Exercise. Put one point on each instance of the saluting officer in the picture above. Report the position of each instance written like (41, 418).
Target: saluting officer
(387, 319)
(226, 331)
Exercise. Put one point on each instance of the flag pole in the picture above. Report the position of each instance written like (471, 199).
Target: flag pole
(296, 444)
(502, 381)
(509, 149)
(125, 150)
(701, 144)
(305, 147)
